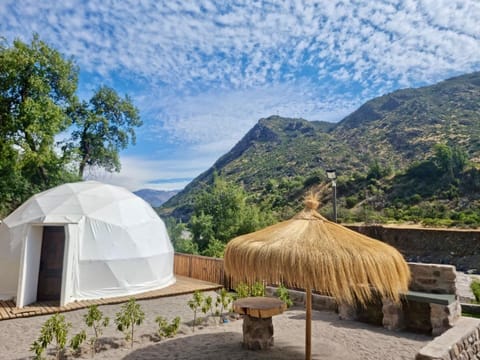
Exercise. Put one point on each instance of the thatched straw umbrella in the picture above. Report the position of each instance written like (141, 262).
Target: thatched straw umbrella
(310, 252)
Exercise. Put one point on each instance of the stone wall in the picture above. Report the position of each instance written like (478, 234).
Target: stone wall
(462, 342)
(433, 278)
(439, 246)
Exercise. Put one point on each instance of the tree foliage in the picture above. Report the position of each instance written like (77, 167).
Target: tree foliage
(222, 212)
(55, 329)
(38, 102)
(129, 316)
(450, 160)
(37, 86)
(102, 127)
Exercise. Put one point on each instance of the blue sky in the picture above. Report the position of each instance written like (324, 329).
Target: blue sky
(203, 72)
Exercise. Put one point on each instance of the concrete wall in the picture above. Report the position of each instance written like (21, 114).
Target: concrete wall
(438, 246)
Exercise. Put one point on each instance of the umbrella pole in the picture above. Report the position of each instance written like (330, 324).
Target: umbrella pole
(308, 325)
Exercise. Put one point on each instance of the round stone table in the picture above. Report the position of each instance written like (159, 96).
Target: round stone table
(257, 322)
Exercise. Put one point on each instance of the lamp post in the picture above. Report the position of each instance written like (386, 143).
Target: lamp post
(331, 174)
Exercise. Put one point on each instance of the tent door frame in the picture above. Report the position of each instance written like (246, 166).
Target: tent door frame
(51, 264)
(30, 264)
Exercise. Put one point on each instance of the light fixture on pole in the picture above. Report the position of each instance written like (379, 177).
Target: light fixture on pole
(332, 175)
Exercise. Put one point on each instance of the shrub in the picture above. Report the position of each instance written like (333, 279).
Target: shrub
(165, 329)
(351, 201)
(224, 299)
(96, 321)
(130, 315)
(77, 340)
(207, 305)
(242, 290)
(54, 329)
(475, 286)
(195, 303)
(284, 295)
(257, 289)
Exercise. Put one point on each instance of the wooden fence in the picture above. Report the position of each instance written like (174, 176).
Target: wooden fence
(202, 268)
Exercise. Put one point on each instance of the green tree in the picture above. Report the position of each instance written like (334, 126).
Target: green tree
(102, 127)
(37, 88)
(222, 212)
(450, 160)
(202, 229)
(376, 171)
(37, 103)
(179, 236)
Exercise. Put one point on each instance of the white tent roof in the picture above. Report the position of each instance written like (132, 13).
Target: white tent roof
(117, 244)
(68, 203)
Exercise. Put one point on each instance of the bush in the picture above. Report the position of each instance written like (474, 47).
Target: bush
(257, 289)
(244, 290)
(224, 299)
(475, 286)
(54, 329)
(130, 315)
(166, 330)
(351, 201)
(195, 303)
(96, 321)
(284, 295)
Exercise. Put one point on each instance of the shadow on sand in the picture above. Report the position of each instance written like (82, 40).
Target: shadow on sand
(218, 346)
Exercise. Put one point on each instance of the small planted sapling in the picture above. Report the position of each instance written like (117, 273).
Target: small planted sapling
(284, 295)
(77, 340)
(128, 317)
(257, 289)
(55, 329)
(96, 321)
(207, 305)
(165, 329)
(195, 303)
(242, 290)
(224, 299)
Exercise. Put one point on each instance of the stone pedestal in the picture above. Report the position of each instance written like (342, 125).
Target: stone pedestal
(257, 322)
(347, 312)
(257, 333)
(444, 317)
(393, 316)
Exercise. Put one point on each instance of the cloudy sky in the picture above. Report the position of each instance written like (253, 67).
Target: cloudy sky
(203, 72)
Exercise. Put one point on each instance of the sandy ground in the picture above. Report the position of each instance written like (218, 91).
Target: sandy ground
(331, 338)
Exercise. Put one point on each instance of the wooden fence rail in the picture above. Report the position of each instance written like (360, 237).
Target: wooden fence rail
(202, 268)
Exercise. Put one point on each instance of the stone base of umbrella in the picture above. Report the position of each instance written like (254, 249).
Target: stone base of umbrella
(257, 321)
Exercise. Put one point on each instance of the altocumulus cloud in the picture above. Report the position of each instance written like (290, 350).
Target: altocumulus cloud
(202, 72)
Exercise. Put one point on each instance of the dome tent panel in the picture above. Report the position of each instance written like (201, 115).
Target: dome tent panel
(118, 279)
(27, 212)
(151, 232)
(105, 241)
(125, 212)
(97, 235)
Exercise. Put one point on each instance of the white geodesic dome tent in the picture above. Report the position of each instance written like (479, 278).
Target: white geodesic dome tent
(84, 240)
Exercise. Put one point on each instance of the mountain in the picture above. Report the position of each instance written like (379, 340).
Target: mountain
(281, 158)
(155, 197)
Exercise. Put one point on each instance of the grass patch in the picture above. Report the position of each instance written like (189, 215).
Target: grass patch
(467, 314)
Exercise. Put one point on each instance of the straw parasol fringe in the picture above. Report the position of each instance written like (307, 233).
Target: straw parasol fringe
(310, 251)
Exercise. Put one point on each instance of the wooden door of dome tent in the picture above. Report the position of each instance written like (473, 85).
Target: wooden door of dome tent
(51, 263)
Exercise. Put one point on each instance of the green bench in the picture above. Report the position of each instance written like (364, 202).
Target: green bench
(440, 299)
